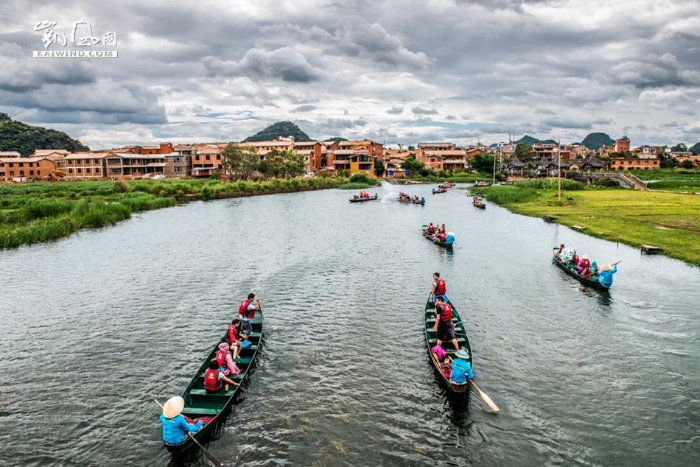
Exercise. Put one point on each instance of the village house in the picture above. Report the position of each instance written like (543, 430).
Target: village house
(125, 165)
(355, 156)
(544, 150)
(646, 152)
(634, 163)
(622, 145)
(442, 156)
(85, 165)
(312, 152)
(682, 156)
(205, 159)
(393, 158)
(22, 169)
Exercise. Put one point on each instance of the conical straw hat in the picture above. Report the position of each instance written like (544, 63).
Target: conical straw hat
(173, 407)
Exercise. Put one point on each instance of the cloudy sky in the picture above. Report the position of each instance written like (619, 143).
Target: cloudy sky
(396, 71)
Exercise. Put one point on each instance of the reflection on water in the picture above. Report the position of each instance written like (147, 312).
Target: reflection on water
(110, 319)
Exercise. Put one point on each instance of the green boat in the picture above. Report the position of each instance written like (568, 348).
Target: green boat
(199, 404)
(431, 340)
(574, 273)
(437, 242)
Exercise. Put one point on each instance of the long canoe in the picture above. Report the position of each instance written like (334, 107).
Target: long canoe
(480, 205)
(574, 273)
(199, 404)
(362, 200)
(435, 192)
(482, 184)
(431, 340)
(437, 242)
(410, 201)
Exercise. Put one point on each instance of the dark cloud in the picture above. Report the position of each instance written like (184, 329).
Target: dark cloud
(450, 117)
(654, 72)
(568, 123)
(395, 110)
(305, 108)
(343, 123)
(602, 121)
(516, 5)
(422, 111)
(284, 63)
(103, 102)
(544, 111)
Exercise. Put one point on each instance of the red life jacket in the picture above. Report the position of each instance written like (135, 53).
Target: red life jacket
(443, 238)
(221, 357)
(431, 229)
(232, 334)
(211, 380)
(244, 306)
(440, 288)
(446, 315)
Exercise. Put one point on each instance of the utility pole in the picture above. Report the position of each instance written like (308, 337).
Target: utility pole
(559, 170)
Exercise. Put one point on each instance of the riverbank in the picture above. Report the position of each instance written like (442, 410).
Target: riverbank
(670, 221)
(43, 211)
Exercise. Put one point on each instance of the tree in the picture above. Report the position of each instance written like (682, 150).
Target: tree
(282, 164)
(687, 164)
(680, 147)
(523, 152)
(240, 162)
(483, 162)
(411, 148)
(379, 167)
(412, 164)
(666, 161)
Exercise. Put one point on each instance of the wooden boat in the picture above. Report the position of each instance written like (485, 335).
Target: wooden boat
(479, 203)
(362, 200)
(410, 201)
(209, 406)
(482, 184)
(446, 185)
(430, 237)
(574, 273)
(431, 340)
(439, 190)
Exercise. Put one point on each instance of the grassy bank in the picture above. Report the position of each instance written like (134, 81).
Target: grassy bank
(460, 178)
(667, 220)
(39, 212)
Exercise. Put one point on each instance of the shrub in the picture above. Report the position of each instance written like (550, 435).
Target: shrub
(360, 178)
(120, 186)
(606, 182)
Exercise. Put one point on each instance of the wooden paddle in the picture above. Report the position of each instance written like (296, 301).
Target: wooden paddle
(210, 456)
(494, 408)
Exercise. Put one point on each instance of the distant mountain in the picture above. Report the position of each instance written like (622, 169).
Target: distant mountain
(530, 140)
(695, 149)
(277, 130)
(17, 136)
(337, 139)
(596, 140)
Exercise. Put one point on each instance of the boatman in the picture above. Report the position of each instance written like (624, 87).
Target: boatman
(246, 311)
(439, 289)
(461, 369)
(175, 427)
(443, 323)
(605, 275)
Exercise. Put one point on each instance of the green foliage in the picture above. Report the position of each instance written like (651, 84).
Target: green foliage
(215, 175)
(379, 168)
(679, 185)
(412, 164)
(120, 187)
(506, 194)
(277, 130)
(551, 184)
(354, 186)
(607, 182)
(680, 147)
(361, 178)
(687, 164)
(17, 136)
(596, 140)
(483, 162)
(523, 152)
(240, 161)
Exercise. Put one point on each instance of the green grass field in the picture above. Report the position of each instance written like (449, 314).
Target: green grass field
(667, 220)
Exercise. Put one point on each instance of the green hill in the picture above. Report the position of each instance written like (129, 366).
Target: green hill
(596, 140)
(695, 149)
(17, 136)
(277, 130)
(530, 140)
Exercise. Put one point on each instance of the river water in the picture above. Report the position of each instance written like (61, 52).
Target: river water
(94, 327)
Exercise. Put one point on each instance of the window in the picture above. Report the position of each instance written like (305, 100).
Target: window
(31, 172)
(10, 164)
(79, 170)
(87, 171)
(207, 156)
(21, 164)
(97, 170)
(70, 170)
(21, 173)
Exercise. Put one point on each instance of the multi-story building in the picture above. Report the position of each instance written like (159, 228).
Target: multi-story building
(355, 156)
(443, 156)
(544, 150)
(312, 152)
(85, 165)
(22, 169)
(177, 165)
(682, 156)
(634, 164)
(125, 165)
(622, 145)
(205, 159)
(646, 152)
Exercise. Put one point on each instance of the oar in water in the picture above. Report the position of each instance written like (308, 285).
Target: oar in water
(210, 456)
(494, 408)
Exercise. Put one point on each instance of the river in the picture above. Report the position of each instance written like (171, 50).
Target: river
(95, 326)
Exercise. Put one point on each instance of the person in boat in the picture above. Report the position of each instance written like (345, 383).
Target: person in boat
(175, 426)
(235, 337)
(442, 229)
(431, 229)
(450, 238)
(439, 288)
(225, 360)
(246, 311)
(592, 272)
(605, 275)
(441, 357)
(461, 369)
(558, 253)
(422, 200)
(573, 264)
(442, 238)
(214, 378)
(443, 323)
(583, 265)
